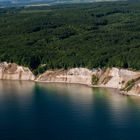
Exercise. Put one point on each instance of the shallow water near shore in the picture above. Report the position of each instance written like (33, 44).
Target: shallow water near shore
(39, 111)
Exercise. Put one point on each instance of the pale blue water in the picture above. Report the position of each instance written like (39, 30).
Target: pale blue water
(30, 111)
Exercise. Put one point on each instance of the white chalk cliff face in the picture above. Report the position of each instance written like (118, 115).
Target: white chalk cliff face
(12, 71)
(117, 78)
(75, 75)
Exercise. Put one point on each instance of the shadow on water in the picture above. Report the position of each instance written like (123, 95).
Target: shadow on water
(55, 111)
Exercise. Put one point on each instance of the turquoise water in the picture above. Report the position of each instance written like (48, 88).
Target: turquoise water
(30, 111)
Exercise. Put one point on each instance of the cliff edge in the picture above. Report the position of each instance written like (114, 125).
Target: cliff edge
(12, 71)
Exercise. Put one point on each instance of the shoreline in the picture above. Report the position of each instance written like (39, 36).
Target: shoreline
(82, 84)
(91, 86)
(111, 78)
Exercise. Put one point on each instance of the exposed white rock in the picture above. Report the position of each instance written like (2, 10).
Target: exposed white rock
(11, 71)
(75, 75)
(117, 78)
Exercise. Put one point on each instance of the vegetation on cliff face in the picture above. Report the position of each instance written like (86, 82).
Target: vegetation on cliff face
(86, 35)
(129, 85)
(95, 80)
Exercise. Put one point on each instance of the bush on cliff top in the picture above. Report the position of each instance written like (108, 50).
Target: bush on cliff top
(95, 80)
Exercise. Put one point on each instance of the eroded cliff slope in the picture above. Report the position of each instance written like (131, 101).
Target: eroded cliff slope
(75, 75)
(12, 71)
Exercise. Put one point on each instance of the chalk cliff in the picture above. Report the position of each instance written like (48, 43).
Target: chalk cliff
(116, 78)
(75, 75)
(110, 78)
(12, 71)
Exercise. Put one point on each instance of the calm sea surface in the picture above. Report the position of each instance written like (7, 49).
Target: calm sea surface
(30, 111)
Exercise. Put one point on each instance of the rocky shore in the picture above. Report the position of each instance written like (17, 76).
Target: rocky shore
(127, 81)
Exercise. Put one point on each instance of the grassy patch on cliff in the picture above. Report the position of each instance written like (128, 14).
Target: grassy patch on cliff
(40, 69)
(129, 85)
(95, 80)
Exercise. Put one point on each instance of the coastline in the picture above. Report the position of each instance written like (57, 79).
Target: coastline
(126, 81)
(90, 86)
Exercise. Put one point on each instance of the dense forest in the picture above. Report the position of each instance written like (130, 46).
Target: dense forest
(76, 35)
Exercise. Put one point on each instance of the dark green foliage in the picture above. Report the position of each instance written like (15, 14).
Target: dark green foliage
(80, 35)
(95, 80)
(40, 69)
